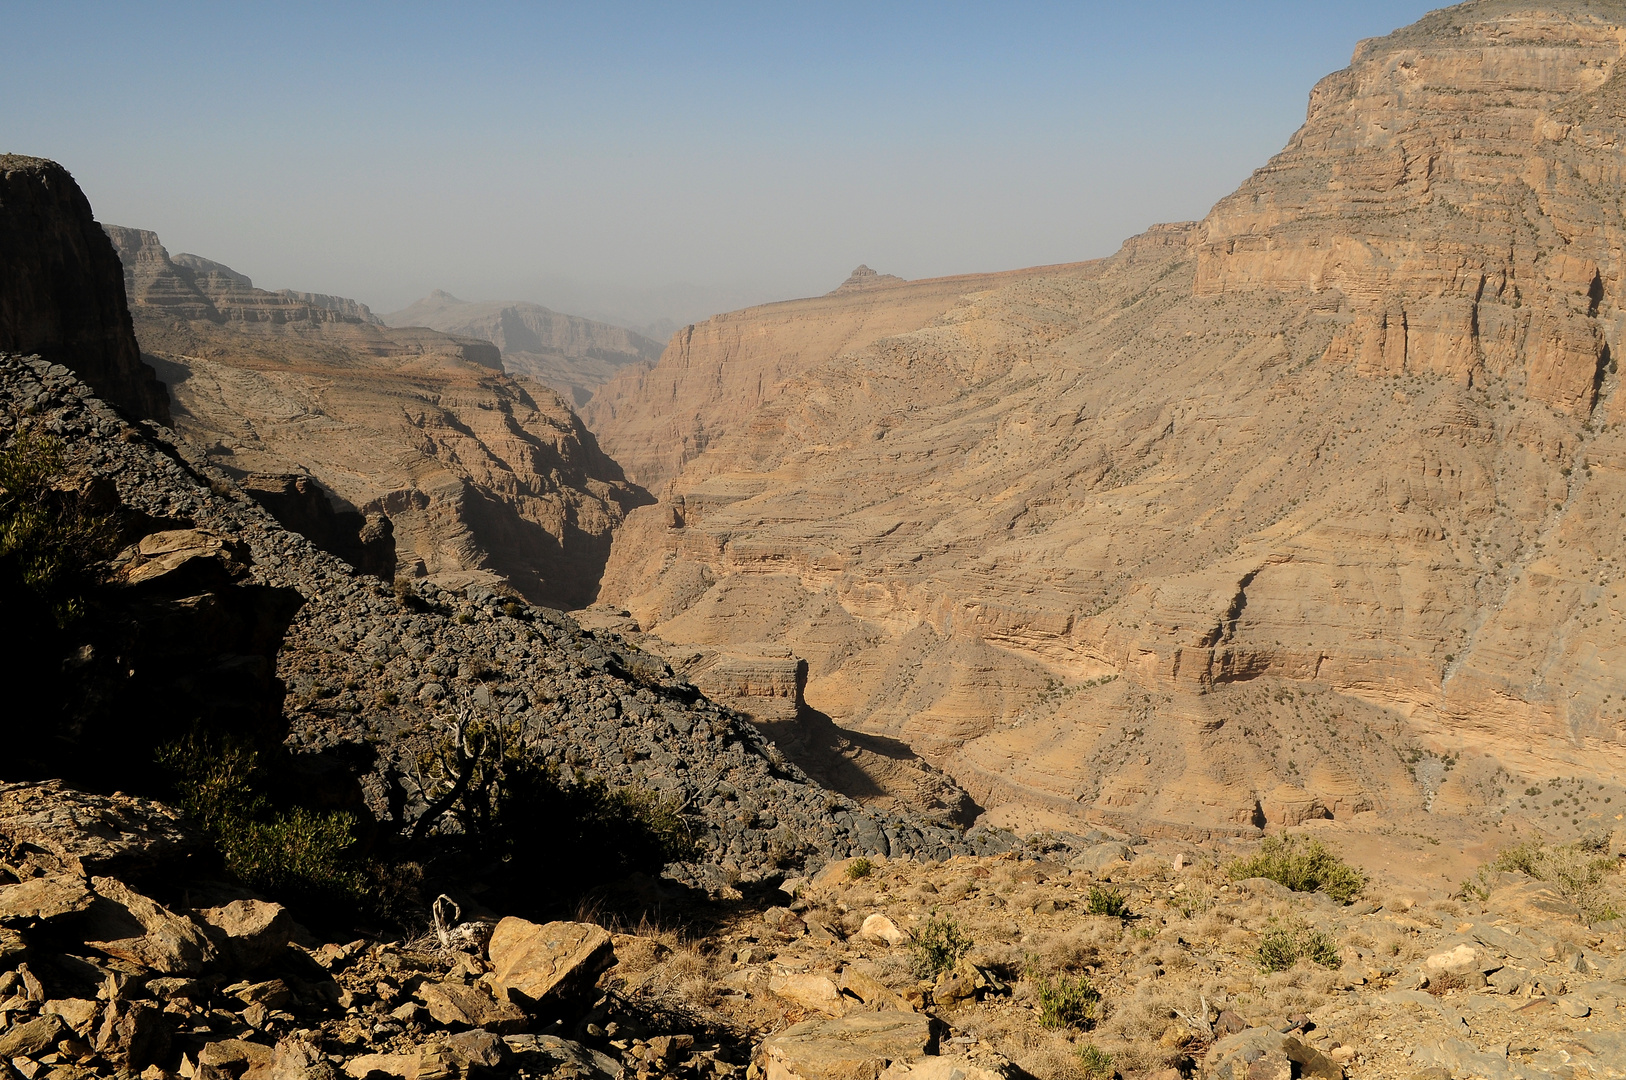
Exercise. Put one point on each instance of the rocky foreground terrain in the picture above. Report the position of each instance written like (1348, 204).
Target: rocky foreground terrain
(1306, 510)
(574, 356)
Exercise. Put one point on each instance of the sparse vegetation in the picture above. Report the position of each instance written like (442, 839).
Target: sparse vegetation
(859, 868)
(1303, 865)
(1579, 872)
(1095, 1063)
(1066, 1001)
(50, 539)
(1107, 902)
(1284, 944)
(938, 946)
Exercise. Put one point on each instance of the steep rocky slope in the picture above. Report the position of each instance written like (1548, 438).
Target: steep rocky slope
(573, 355)
(59, 285)
(484, 478)
(1311, 508)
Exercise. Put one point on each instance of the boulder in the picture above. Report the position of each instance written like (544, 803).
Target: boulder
(868, 989)
(529, 962)
(79, 833)
(1266, 1054)
(125, 924)
(1463, 959)
(248, 934)
(295, 1058)
(859, 1046)
(480, 1048)
(404, 1066)
(952, 1067)
(562, 1057)
(880, 928)
(133, 1034)
(454, 1003)
(42, 898)
(1100, 857)
(810, 991)
(77, 1013)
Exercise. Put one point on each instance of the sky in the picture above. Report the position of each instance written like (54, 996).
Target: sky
(653, 163)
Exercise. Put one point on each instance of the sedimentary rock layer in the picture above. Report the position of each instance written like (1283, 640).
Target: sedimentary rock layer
(1267, 515)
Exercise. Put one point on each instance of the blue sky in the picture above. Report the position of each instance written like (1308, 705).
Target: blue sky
(654, 161)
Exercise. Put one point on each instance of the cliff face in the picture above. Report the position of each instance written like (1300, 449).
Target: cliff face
(483, 479)
(574, 356)
(60, 291)
(1307, 509)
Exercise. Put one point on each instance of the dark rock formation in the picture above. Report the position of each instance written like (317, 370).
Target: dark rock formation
(61, 287)
(365, 541)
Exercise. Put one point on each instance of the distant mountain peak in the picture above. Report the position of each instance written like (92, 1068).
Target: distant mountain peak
(445, 297)
(865, 278)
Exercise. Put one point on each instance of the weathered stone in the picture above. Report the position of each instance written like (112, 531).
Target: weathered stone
(810, 991)
(134, 1033)
(454, 1003)
(954, 985)
(43, 898)
(248, 933)
(404, 1066)
(859, 1046)
(868, 989)
(529, 962)
(878, 927)
(88, 834)
(1464, 959)
(1267, 1054)
(77, 1013)
(34, 1037)
(125, 924)
(235, 1055)
(573, 1056)
(295, 1058)
(951, 1067)
(477, 1048)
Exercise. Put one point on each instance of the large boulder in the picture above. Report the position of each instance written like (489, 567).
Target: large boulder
(859, 1046)
(248, 934)
(530, 962)
(1267, 1054)
(79, 833)
(133, 927)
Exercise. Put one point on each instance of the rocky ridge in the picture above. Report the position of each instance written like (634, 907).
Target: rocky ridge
(1300, 511)
(572, 355)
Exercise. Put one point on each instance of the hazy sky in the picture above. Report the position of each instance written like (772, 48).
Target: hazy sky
(658, 160)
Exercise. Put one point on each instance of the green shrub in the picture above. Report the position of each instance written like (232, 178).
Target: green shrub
(50, 540)
(1066, 1001)
(1095, 1062)
(1303, 865)
(938, 946)
(296, 854)
(1284, 945)
(859, 868)
(1107, 902)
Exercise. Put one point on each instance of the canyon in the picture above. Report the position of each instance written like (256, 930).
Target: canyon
(1309, 509)
(573, 355)
(484, 478)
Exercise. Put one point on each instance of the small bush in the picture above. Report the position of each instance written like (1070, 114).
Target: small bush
(1066, 1001)
(860, 867)
(1578, 872)
(938, 946)
(1303, 865)
(1095, 1062)
(1284, 945)
(1107, 902)
(49, 538)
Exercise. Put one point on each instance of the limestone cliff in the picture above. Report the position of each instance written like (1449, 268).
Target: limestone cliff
(60, 294)
(572, 355)
(1308, 509)
(483, 478)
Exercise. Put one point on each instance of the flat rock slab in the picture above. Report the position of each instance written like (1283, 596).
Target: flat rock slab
(530, 962)
(125, 924)
(454, 1003)
(85, 834)
(249, 933)
(41, 898)
(859, 1046)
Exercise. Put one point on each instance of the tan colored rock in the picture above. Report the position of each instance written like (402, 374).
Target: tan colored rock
(404, 1066)
(810, 991)
(77, 1013)
(81, 833)
(870, 990)
(132, 927)
(44, 898)
(1461, 960)
(296, 1058)
(248, 933)
(33, 1037)
(454, 1003)
(883, 929)
(949, 1067)
(859, 1046)
(529, 962)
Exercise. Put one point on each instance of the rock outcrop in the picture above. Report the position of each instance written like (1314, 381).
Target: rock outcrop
(482, 478)
(59, 286)
(574, 356)
(1279, 515)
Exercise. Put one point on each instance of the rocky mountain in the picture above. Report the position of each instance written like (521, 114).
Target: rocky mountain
(574, 356)
(484, 478)
(59, 286)
(1309, 509)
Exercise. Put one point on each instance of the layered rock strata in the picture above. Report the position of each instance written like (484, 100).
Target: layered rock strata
(1282, 513)
(483, 478)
